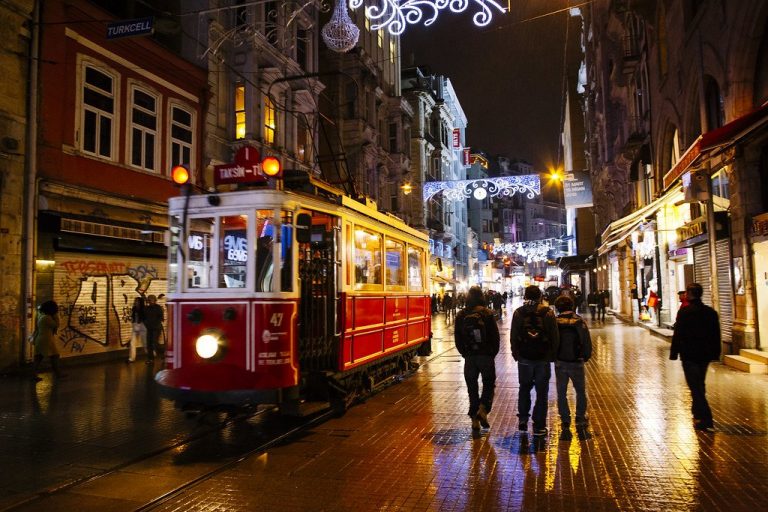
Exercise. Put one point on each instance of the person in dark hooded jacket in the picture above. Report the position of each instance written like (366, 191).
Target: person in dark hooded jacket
(534, 338)
(477, 339)
(574, 350)
(696, 341)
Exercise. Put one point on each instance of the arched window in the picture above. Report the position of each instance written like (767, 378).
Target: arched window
(714, 104)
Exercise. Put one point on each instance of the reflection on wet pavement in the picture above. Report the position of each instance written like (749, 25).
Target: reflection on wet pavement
(411, 447)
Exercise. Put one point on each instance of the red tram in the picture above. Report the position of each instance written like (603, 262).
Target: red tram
(289, 297)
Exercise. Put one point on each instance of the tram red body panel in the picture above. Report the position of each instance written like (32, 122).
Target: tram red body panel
(261, 344)
(375, 326)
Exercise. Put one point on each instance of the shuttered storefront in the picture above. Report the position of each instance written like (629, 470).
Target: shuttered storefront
(95, 293)
(701, 272)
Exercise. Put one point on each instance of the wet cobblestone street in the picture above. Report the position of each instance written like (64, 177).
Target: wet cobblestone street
(410, 447)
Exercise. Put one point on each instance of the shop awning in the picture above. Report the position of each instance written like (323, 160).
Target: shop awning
(718, 139)
(620, 229)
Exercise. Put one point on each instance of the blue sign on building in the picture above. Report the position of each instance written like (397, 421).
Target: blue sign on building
(128, 28)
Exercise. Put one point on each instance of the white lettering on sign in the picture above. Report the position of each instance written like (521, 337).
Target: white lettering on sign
(236, 247)
(195, 242)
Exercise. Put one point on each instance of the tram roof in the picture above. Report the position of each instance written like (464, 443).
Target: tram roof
(270, 198)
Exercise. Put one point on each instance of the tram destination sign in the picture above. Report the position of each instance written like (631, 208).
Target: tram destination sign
(233, 173)
(130, 28)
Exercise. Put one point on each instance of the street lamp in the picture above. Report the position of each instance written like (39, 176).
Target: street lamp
(407, 188)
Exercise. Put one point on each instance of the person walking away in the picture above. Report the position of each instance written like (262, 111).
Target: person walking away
(602, 303)
(477, 339)
(574, 350)
(534, 338)
(696, 341)
(44, 339)
(592, 303)
(153, 321)
(138, 329)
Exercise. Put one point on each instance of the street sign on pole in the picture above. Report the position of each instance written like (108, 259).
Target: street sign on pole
(130, 28)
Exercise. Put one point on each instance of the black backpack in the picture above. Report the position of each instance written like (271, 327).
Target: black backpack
(571, 348)
(475, 330)
(534, 343)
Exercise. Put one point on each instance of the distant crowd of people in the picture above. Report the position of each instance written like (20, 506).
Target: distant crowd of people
(449, 304)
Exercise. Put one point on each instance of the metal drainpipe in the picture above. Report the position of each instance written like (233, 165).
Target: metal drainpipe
(30, 188)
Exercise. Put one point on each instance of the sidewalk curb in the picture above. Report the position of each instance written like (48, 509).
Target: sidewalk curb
(664, 334)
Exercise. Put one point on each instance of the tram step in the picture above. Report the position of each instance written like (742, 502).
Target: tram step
(760, 356)
(745, 364)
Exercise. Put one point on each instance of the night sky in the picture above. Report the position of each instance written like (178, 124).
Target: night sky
(508, 76)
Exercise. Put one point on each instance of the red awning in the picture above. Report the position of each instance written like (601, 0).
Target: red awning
(718, 138)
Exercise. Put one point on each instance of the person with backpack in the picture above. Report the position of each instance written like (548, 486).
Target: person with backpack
(534, 338)
(477, 340)
(574, 350)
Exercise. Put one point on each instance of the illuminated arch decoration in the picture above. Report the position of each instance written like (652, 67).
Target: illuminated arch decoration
(396, 15)
(533, 251)
(504, 186)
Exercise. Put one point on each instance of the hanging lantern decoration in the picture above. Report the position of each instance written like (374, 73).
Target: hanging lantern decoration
(340, 34)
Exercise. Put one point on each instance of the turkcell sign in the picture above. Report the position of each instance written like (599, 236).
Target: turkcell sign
(232, 173)
(128, 28)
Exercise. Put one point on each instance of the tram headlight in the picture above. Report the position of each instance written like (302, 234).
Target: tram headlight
(210, 344)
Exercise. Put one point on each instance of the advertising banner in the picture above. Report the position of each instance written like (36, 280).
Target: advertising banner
(577, 189)
(456, 138)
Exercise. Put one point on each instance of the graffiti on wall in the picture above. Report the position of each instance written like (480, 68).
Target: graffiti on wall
(95, 296)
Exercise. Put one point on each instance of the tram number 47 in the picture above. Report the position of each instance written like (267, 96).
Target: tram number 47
(277, 319)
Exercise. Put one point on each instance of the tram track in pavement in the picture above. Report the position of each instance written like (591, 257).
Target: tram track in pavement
(317, 420)
(283, 431)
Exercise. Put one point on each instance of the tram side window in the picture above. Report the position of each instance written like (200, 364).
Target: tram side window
(286, 253)
(415, 268)
(367, 258)
(233, 251)
(199, 250)
(395, 262)
(173, 253)
(265, 236)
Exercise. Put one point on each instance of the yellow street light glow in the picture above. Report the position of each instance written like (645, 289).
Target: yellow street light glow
(180, 174)
(271, 166)
(407, 188)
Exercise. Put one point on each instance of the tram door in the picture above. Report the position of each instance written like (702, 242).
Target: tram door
(318, 306)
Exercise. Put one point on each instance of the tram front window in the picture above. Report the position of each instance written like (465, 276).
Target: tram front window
(198, 265)
(233, 251)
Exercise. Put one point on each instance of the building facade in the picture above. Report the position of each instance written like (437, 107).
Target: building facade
(437, 143)
(16, 60)
(115, 115)
(677, 133)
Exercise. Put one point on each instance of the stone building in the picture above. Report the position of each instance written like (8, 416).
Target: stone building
(677, 135)
(17, 20)
(437, 154)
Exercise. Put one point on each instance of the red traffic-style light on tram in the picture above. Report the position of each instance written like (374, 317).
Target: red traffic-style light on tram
(271, 167)
(180, 175)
